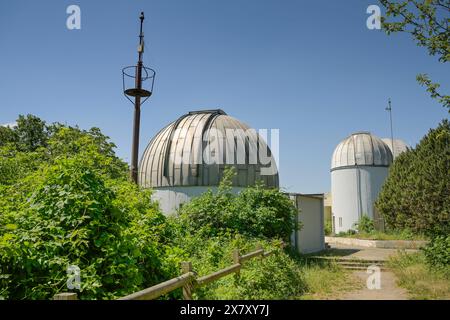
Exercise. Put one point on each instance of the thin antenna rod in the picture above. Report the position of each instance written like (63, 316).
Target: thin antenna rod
(141, 38)
(389, 108)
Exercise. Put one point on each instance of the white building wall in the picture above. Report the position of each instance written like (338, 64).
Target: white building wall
(354, 191)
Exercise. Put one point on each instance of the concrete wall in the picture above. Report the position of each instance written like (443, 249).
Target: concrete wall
(354, 192)
(311, 237)
(385, 244)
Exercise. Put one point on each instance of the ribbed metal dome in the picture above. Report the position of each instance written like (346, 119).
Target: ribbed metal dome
(187, 139)
(361, 149)
(398, 145)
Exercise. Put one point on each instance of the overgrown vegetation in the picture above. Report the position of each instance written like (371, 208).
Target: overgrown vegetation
(365, 229)
(427, 22)
(416, 194)
(422, 281)
(256, 211)
(416, 197)
(65, 199)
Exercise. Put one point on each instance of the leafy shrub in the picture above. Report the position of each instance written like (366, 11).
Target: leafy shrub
(365, 225)
(255, 211)
(73, 218)
(437, 252)
(65, 199)
(416, 194)
(328, 228)
(275, 277)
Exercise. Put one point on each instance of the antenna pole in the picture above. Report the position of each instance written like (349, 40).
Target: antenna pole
(137, 107)
(389, 108)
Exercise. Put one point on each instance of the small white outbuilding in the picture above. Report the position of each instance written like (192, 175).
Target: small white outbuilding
(310, 238)
(359, 167)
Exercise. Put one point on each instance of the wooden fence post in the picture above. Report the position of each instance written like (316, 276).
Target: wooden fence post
(187, 288)
(65, 296)
(259, 247)
(236, 259)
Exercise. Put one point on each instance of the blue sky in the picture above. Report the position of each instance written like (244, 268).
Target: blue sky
(311, 69)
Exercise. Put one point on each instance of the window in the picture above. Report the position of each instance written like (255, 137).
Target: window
(340, 222)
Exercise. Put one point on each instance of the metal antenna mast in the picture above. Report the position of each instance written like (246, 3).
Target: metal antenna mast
(389, 108)
(141, 74)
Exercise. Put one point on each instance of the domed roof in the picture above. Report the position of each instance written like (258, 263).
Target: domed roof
(361, 149)
(195, 149)
(399, 146)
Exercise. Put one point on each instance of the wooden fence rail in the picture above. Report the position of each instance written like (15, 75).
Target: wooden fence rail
(187, 280)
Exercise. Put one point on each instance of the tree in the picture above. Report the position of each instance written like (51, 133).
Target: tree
(7, 135)
(31, 133)
(428, 23)
(416, 194)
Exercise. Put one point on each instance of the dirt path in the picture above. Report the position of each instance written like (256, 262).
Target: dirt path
(388, 291)
(388, 288)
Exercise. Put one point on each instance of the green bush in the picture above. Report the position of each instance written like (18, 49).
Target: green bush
(365, 225)
(275, 277)
(437, 253)
(416, 194)
(65, 199)
(74, 218)
(328, 228)
(255, 211)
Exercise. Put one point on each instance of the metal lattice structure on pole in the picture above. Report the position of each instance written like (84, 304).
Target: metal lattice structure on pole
(141, 90)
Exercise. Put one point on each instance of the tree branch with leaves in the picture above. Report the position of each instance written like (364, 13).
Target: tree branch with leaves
(427, 21)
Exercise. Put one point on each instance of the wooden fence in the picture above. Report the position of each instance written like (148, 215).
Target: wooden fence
(187, 280)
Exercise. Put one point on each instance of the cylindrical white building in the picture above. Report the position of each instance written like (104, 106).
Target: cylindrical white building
(188, 157)
(359, 168)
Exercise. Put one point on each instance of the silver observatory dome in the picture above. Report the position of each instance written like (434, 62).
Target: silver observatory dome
(175, 156)
(361, 149)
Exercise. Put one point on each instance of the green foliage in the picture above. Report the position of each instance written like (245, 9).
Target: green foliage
(437, 253)
(255, 211)
(416, 194)
(328, 227)
(275, 277)
(65, 199)
(420, 279)
(31, 133)
(427, 22)
(432, 87)
(73, 218)
(365, 225)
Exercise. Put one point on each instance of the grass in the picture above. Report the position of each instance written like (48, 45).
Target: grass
(326, 280)
(421, 282)
(377, 235)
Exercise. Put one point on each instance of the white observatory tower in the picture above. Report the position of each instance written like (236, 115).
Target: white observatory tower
(359, 168)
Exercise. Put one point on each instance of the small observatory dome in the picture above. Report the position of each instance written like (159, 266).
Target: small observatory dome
(399, 146)
(359, 167)
(189, 155)
(361, 149)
